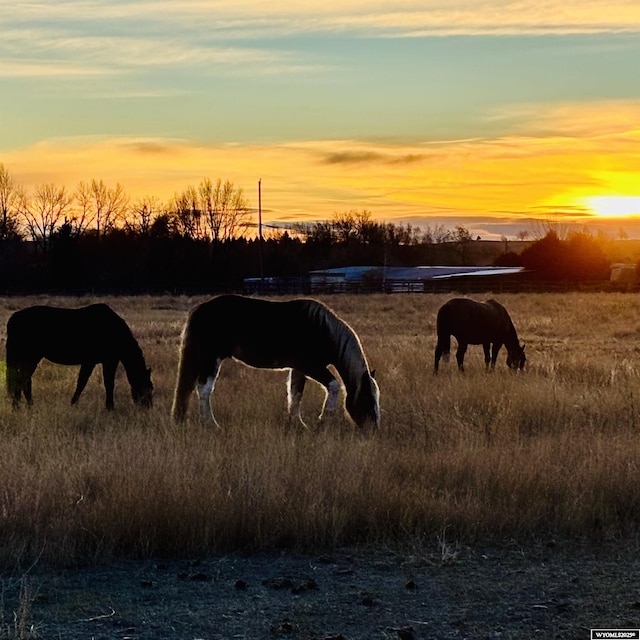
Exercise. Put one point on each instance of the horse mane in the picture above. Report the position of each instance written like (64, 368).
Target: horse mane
(349, 358)
(511, 340)
(512, 336)
(132, 356)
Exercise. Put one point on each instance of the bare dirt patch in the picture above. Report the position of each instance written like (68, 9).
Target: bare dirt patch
(551, 590)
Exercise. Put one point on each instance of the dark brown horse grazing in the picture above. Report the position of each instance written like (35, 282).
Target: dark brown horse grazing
(485, 323)
(303, 336)
(85, 336)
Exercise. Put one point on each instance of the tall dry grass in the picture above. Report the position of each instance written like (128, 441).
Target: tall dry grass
(553, 451)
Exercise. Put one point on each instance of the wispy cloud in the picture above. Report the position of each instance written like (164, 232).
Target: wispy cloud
(363, 156)
(403, 17)
(236, 36)
(24, 50)
(590, 119)
(47, 69)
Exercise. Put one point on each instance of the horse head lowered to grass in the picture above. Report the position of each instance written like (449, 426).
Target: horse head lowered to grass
(86, 336)
(303, 336)
(470, 322)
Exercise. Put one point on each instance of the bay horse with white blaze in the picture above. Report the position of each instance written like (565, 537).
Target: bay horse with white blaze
(86, 336)
(303, 336)
(486, 323)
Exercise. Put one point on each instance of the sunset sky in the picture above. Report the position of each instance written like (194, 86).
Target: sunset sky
(490, 114)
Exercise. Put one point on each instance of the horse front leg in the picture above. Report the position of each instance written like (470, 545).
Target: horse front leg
(462, 349)
(109, 378)
(83, 377)
(487, 355)
(205, 386)
(332, 388)
(27, 390)
(494, 354)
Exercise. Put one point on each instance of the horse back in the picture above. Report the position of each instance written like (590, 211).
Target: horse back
(262, 333)
(66, 336)
(473, 322)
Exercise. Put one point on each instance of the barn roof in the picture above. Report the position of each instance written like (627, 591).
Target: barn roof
(410, 273)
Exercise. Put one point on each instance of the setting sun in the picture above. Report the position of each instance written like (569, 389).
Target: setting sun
(614, 206)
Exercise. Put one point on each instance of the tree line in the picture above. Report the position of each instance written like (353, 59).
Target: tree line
(205, 239)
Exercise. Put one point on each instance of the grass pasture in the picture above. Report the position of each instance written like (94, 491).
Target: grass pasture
(553, 451)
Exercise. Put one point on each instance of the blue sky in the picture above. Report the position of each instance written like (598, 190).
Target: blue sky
(486, 111)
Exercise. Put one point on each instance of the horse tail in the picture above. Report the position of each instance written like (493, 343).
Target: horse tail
(443, 329)
(13, 378)
(188, 366)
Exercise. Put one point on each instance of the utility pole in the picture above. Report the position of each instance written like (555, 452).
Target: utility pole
(260, 228)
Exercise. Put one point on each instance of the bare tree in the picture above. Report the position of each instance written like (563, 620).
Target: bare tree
(9, 199)
(225, 209)
(437, 235)
(542, 227)
(185, 211)
(356, 225)
(100, 206)
(44, 212)
(85, 216)
(462, 239)
(142, 215)
(345, 226)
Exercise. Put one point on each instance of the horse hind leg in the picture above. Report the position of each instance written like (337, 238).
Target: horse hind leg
(295, 387)
(185, 384)
(462, 349)
(14, 385)
(443, 349)
(204, 387)
(18, 380)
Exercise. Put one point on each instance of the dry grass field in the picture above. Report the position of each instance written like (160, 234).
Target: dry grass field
(476, 456)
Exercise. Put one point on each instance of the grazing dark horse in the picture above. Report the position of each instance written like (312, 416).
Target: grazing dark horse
(303, 336)
(85, 336)
(485, 323)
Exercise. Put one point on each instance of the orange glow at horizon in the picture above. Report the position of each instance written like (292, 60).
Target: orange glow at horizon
(512, 177)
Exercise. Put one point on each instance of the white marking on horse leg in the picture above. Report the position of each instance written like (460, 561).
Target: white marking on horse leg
(332, 397)
(331, 400)
(294, 408)
(295, 388)
(204, 396)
